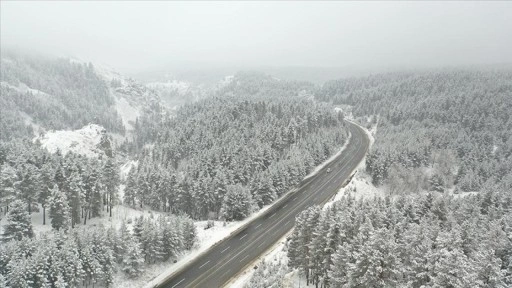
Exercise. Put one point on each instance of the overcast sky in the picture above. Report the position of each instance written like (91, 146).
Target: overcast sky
(137, 36)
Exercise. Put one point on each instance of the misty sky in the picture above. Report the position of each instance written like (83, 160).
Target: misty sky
(137, 36)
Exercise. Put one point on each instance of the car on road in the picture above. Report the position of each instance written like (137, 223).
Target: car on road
(329, 170)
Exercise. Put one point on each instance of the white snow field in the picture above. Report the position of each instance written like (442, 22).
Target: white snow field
(82, 141)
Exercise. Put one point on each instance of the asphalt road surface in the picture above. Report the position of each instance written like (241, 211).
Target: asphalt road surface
(224, 260)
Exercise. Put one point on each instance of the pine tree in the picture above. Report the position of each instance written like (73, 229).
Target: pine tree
(189, 233)
(130, 191)
(47, 179)
(70, 265)
(19, 224)
(138, 227)
(111, 182)
(28, 185)
(133, 260)
(19, 272)
(238, 203)
(59, 209)
(3, 281)
(8, 178)
(75, 197)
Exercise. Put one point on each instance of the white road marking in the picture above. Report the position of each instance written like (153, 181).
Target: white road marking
(285, 205)
(224, 250)
(272, 215)
(225, 273)
(287, 223)
(261, 244)
(258, 226)
(243, 237)
(294, 198)
(204, 264)
(244, 258)
(178, 283)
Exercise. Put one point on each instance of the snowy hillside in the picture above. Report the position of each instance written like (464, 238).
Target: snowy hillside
(86, 141)
(130, 97)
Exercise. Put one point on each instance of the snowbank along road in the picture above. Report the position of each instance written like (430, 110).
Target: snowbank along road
(221, 262)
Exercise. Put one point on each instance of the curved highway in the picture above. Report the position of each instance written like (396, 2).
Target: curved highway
(221, 262)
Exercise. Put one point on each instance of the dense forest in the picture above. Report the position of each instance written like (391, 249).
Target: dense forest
(228, 154)
(436, 129)
(222, 157)
(88, 256)
(404, 241)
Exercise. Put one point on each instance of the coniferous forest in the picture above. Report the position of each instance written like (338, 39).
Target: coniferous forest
(440, 134)
(284, 144)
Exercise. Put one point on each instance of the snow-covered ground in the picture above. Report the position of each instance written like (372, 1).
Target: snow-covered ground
(23, 88)
(127, 112)
(274, 254)
(82, 141)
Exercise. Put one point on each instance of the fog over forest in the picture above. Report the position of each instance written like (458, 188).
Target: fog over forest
(138, 37)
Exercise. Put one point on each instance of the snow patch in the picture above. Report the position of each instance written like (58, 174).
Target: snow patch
(126, 167)
(84, 141)
(127, 112)
(23, 88)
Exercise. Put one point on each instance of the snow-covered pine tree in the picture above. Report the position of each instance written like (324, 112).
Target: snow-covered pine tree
(238, 203)
(130, 191)
(8, 179)
(189, 233)
(47, 175)
(111, 182)
(133, 261)
(19, 224)
(59, 209)
(28, 185)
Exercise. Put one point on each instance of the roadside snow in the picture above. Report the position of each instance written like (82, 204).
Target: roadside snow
(206, 239)
(83, 141)
(326, 162)
(275, 253)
